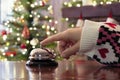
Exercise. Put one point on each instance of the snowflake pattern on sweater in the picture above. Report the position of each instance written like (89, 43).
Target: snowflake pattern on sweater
(108, 45)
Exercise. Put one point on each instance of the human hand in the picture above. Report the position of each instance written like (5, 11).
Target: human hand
(69, 41)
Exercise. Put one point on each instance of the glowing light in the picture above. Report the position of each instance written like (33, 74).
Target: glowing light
(11, 55)
(2, 50)
(22, 16)
(24, 51)
(13, 20)
(18, 29)
(50, 7)
(52, 28)
(6, 48)
(55, 31)
(101, 2)
(37, 34)
(43, 26)
(35, 28)
(72, 25)
(38, 16)
(31, 16)
(108, 2)
(27, 41)
(66, 19)
(33, 46)
(50, 20)
(28, 2)
(69, 5)
(74, 0)
(41, 3)
(6, 23)
(18, 39)
(18, 34)
(78, 5)
(48, 33)
(46, 17)
(36, 3)
(3, 53)
(94, 3)
(7, 44)
(56, 22)
(11, 30)
(65, 3)
(32, 5)
(4, 37)
(48, 27)
(35, 13)
(31, 28)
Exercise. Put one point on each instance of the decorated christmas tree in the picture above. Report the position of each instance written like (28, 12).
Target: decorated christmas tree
(32, 22)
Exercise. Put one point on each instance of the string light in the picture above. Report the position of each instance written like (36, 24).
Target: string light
(56, 22)
(30, 28)
(11, 55)
(50, 7)
(48, 27)
(52, 28)
(46, 17)
(35, 28)
(18, 39)
(101, 2)
(65, 3)
(69, 5)
(27, 41)
(36, 3)
(48, 33)
(37, 34)
(7, 44)
(33, 46)
(94, 3)
(66, 19)
(108, 2)
(32, 5)
(43, 26)
(78, 5)
(31, 15)
(18, 34)
(38, 16)
(4, 37)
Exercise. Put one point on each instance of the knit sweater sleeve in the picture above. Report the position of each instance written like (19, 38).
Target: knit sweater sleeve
(100, 41)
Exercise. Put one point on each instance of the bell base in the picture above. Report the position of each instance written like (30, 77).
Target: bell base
(42, 63)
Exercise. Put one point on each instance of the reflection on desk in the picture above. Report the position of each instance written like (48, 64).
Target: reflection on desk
(66, 70)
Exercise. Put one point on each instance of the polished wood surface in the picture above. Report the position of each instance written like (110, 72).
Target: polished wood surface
(66, 70)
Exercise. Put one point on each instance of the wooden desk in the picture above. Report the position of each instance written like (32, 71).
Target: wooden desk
(66, 70)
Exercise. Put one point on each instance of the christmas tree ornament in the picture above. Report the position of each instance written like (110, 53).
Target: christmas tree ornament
(10, 53)
(23, 46)
(110, 19)
(80, 21)
(41, 57)
(43, 3)
(26, 32)
(34, 41)
(4, 32)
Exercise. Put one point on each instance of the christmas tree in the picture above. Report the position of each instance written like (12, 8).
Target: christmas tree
(32, 22)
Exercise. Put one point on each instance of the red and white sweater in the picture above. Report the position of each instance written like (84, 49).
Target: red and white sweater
(101, 41)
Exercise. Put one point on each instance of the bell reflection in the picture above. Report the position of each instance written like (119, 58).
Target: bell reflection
(40, 73)
(34, 73)
(13, 70)
(107, 73)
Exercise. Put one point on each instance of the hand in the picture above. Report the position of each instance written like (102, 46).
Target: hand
(69, 41)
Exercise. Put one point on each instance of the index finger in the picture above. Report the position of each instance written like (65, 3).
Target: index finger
(56, 37)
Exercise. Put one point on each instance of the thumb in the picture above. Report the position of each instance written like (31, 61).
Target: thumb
(71, 50)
